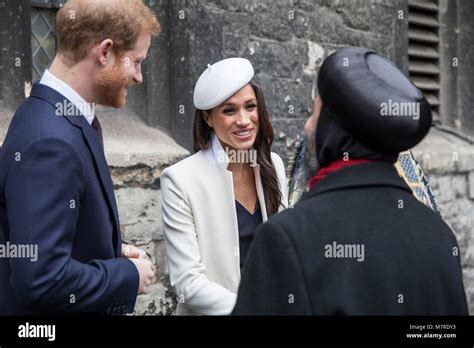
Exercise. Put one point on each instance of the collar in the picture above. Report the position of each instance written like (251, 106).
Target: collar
(218, 152)
(67, 91)
(334, 167)
(218, 157)
(371, 174)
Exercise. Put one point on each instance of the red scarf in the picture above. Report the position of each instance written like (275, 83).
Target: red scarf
(334, 167)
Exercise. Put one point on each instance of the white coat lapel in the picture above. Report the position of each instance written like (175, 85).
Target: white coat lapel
(216, 154)
(218, 157)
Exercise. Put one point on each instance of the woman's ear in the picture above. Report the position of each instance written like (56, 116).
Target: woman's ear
(208, 119)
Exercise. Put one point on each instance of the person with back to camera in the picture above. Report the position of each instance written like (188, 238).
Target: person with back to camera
(359, 242)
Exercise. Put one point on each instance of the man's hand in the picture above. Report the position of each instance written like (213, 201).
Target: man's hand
(146, 270)
(132, 252)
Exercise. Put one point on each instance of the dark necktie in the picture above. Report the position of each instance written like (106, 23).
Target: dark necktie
(98, 130)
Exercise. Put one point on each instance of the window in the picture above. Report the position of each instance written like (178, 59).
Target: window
(43, 36)
(423, 50)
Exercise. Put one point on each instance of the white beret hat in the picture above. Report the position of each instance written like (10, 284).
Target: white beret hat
(220, 81)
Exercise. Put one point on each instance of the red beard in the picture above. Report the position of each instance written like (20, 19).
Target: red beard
(111, 87)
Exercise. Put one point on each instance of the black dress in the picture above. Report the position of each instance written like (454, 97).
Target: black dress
(248, 223)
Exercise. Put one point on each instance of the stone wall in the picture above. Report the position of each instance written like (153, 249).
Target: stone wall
(448, 163)
(137, 154)
(15, 51)
(286, 41)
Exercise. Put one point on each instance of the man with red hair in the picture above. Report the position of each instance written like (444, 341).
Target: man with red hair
(56, 193)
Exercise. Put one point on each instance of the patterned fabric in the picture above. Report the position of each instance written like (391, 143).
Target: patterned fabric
(297, 180)
(411, 172)
(406, 166)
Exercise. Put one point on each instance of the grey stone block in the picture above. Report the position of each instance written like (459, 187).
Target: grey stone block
(285, 60)
(140, 214)
(155, 302)
(292, 99)
(471, 185)
(444, 153)
(449, 188)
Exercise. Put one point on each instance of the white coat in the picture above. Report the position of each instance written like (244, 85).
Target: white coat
(201, 229)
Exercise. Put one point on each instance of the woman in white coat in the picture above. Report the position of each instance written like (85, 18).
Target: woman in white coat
(214, 200)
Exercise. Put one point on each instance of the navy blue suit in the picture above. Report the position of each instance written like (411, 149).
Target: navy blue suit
(56, 192)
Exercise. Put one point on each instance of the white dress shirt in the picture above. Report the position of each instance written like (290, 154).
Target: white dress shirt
(87, 109)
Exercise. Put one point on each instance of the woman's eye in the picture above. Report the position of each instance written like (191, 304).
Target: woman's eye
(251, 106)
(228, 111)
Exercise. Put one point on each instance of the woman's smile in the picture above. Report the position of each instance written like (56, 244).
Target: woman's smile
(244, 134)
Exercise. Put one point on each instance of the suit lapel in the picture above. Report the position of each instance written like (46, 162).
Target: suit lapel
(103, 169)
(78, 120)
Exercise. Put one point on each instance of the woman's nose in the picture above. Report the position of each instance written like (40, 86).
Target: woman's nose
(243, 118)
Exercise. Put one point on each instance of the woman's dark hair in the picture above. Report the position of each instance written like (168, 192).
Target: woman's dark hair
(263, 143)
